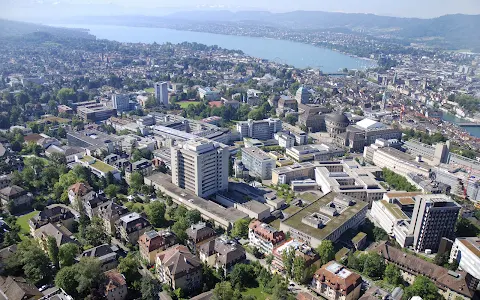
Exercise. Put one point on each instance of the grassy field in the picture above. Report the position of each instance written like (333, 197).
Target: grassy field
(257, 293)
(23, 223)
(149, 90)
(185, 104)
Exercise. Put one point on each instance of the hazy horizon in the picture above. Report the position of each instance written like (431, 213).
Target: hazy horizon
(39, 9)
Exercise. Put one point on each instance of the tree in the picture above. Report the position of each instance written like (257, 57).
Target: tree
(298, 269)
(242, 275)
(149, 288)
(128, 266)
(95, 233)
(58, 158)
(422, 287)
(393, 275)
(291, 119)
(240, 228)
(66, 94)
(465, 228)
(374, 265)
(53, 250)
(179, 229)
(193, 216)
(111, 191)
(66, 279)
(256, 252)
(67, 254)
(288, 256)
(136, 180)
(35, 263)
(441, 259)
(21, 99)
(223, 291)
(156, 213)
(280, 291)
(326, 251)
(89, 274)
(269, 259)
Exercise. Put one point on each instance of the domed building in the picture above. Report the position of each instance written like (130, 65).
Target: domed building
(336, 123)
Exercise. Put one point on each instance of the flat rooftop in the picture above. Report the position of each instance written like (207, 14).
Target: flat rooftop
(229, 214)
(403, 156)
(97, 164)
(472, 243)
(256, 153)
(295, 220)
(394, 210)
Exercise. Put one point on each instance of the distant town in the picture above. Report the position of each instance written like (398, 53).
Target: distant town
(186, 171)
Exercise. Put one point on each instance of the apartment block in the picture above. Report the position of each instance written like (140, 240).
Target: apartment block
(260, 130)
(264, 236)
(161, 93)
(258, 162)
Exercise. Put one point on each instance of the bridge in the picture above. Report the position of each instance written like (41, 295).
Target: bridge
(467, 124)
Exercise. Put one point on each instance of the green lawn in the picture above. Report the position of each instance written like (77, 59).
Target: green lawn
(257, 293)
(23, 223)
(149, 90)
(275, 223)
(185, 104)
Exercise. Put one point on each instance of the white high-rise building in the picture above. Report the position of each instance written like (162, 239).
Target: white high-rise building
(121, 102)
(200, 166)
(466, 251)
(161, 93)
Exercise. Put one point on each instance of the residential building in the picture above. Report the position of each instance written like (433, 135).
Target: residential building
(264, 236)
(5, 181)
(98, 167)
(15, 198)
(55, 213)
(105, 254)
(393, 214)
(300, 249)
(178, 268)
(258, 163)
(466, 252)
(121, 102)
(81, 192)
(314, 152)
(335, 282)
(110, 212)
(17, 288)
(353, 180)
(61, 235)
(260, 130)
(434, 217)
(130, 227)
(115, 286)
(161, 93)
(450, 284)
(199, 234)
(221, 253)
(5, 254)
(142, 166)
(200, 166)
(153, 242)
(326, 218)
(57, 294)
(284, 140)
(395, 160)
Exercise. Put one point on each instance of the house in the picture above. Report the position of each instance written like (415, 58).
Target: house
(130, 227)
(105, 253)
(221, 253)
(58, 232)
(17, 288)
(153, 242)
(116, 286)
(110, 212)
(450, 284)
(333, 281)
(142, 166)
(55, 213)
(179, 268)
(264, 236)
(198, 234)
(80, 191)
(15, 198)
(91, 206)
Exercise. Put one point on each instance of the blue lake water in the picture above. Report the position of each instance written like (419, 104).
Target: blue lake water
(474, 131)
(297, 54)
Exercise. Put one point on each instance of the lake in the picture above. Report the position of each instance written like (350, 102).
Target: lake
(292, 53)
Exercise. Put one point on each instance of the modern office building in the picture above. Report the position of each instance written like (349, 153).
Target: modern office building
(297, 171)
(314, 152)
(466, 251)
(434, 217)
(95, 112)
(161, 93)
(258, 163)
(209, 94)
(260, 130)
(200, 166)
(121, 102)
(395, 160)
(284, 140)
(326, 218)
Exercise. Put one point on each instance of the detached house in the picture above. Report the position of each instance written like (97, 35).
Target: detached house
(152, 242)
(130, 227)
(15, 198)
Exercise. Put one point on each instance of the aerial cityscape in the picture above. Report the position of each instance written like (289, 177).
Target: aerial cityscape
(239, 151)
